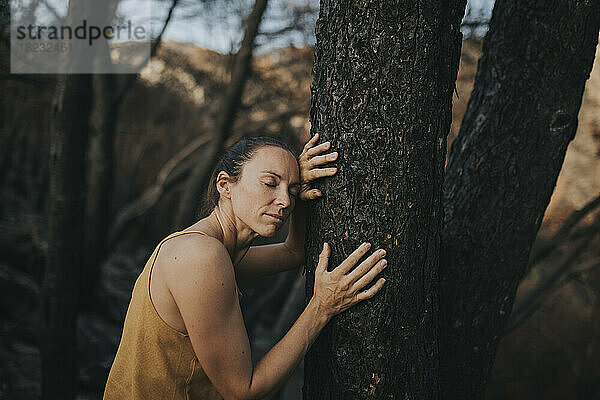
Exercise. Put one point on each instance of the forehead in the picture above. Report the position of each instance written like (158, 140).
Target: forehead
(273, 159)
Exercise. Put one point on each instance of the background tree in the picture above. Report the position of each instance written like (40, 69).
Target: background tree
(197, 182)
(99, 167)
(60, 291)
(502, 170)
(108, 92)
(384, 74)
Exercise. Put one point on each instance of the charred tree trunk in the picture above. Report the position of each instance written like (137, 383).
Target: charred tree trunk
(100, 166)
(65, 236)
(502, 170)
(384, 75)
(197, 182)
(100, 179)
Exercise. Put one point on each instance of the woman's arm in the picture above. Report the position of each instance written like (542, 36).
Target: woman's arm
(294, 242)
(273, 258)
(205, 295)
(270, 259)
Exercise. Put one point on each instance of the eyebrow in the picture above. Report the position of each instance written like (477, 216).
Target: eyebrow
(279, 176)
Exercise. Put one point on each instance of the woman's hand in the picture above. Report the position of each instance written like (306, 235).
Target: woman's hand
(339, 289)
(308, 161)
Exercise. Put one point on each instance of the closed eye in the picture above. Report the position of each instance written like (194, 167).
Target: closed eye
(271, 185)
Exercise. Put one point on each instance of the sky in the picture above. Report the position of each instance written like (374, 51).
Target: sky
(219, 37)
(217, 27)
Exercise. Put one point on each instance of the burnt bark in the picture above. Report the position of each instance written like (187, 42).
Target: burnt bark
(384, 75)
(60, 291)
(502, 170)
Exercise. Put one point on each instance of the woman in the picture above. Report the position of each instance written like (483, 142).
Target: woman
(184, 335)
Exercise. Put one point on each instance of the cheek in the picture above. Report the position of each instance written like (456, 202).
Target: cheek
(250, 201)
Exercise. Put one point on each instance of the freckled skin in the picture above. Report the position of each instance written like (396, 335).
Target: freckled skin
(251, 197)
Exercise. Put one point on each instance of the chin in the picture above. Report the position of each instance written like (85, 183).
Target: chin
(269, 232)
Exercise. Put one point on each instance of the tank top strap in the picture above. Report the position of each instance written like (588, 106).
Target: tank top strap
(178, 233)
(159, 245)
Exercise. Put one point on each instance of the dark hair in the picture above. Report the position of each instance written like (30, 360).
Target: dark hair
(233, 162)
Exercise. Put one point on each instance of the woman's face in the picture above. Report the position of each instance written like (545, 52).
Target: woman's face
(266, 192)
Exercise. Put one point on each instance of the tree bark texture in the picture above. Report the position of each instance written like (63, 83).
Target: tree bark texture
(502, 170)
(60, 291)
(384, 75)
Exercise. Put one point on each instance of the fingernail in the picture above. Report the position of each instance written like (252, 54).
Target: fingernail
(384, 263)
(367, 245)
(382, 252)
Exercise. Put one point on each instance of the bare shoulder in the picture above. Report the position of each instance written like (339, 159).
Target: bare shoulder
(194, 252)
(196, 262)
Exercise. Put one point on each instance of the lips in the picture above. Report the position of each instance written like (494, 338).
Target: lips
(275, 217)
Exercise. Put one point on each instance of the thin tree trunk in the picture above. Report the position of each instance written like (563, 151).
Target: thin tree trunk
(60, 291)
(108, 96)
(197, 182)
(100, 166)
(384, 75)
(100, 179)
(502, 170)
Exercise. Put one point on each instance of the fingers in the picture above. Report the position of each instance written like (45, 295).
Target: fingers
(333, 291)
(323, 159)
(310, 149)
(366, 266)
(313, 151)
(308, 161)
(313, 140)
(315, 173)
(323, 258)
(367, 294)
(313, 194)
(352, 259)
(369, 276)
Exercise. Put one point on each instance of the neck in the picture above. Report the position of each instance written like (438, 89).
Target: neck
(236, 237)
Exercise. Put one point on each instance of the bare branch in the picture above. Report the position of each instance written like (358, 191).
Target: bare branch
(198, 180)
(151, 195)
(563, 233)
(174, 170)
(526, 304)
(132, 78)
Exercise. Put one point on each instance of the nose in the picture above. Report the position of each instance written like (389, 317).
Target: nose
(283, 197)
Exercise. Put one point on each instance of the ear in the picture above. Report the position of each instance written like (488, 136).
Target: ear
(224, 184)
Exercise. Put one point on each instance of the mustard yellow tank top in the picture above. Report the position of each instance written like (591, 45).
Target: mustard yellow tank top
(154, 360)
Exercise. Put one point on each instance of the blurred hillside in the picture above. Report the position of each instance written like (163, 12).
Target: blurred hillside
(174, 101)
